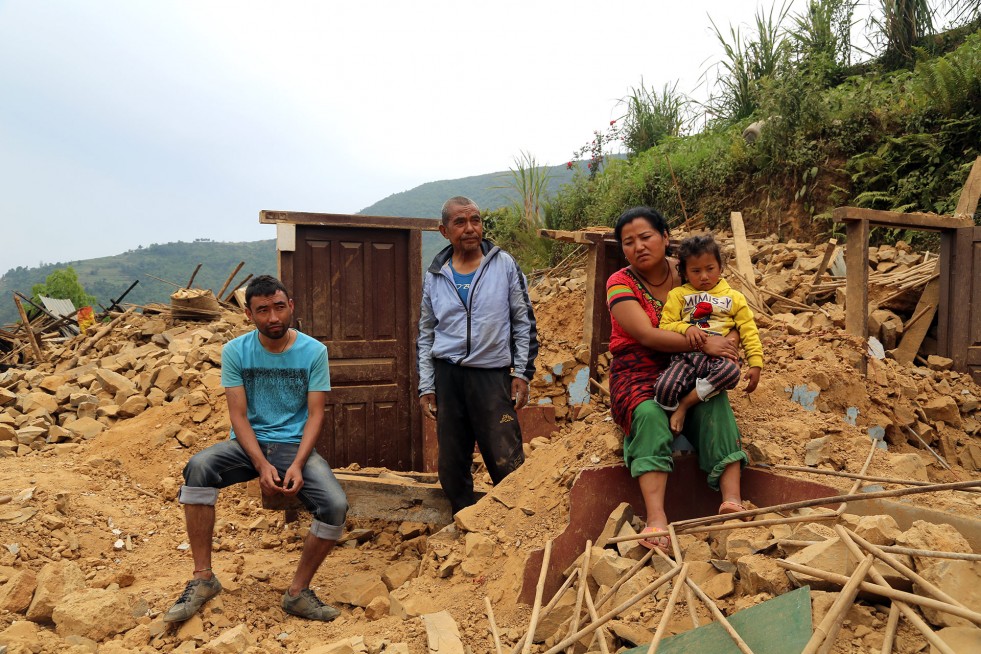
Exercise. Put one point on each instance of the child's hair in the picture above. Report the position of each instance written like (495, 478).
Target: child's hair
(694, 246)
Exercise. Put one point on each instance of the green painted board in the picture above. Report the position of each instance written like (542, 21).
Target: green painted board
(778, 626)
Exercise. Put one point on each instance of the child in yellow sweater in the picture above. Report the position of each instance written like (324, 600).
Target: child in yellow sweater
(705, 304)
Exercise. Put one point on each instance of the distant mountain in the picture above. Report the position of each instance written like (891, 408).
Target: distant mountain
(425, 200)
(108, 277)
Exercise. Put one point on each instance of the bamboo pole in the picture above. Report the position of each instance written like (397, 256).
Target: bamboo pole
(583, 570)
(229, 280)
(193, 275)
(662, 625)
(493, 625)
(236, 287)
(835, 499)
(898, 566)
(852, 475)
(596, 624)
(891, 626)
(31, 338)
(689, 596)
(817, 517)
(548, 607)
(858, 482)
(825, 633)
(600, 632)
(721, 619)
(910, 614)
(539, 591)
(624, 578)
(883, 591)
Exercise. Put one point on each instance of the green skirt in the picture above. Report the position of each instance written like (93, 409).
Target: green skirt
(710, 427)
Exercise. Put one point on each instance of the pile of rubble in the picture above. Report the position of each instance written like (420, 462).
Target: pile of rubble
(93, 442)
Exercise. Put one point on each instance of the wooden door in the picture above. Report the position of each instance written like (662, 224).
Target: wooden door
(354, 295)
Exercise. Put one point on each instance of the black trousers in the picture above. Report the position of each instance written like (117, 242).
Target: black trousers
(473, 405)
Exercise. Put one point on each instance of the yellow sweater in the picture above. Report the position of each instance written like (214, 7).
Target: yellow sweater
(716, 311)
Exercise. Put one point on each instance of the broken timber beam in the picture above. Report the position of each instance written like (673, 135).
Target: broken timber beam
(30, 332)
(744, 263)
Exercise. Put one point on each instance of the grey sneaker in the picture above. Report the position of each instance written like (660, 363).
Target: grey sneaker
(308, 605)
(196, 593)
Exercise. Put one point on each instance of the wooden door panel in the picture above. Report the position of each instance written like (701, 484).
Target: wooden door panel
(356, 301)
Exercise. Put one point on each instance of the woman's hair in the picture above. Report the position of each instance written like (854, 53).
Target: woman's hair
(652, 216)
(694, 246)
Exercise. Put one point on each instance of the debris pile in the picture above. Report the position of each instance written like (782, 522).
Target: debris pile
(94, 549)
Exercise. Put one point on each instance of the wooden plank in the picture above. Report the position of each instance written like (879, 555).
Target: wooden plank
(857, 278)
(744, 263)
(913, 338)
(592, 323)
(955, 339)
(829, 253)
(967, 203)
(267, 217)
(926, 221)
(414, 264)
(30, 332)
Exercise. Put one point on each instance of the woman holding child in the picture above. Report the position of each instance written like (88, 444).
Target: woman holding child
(642, 351)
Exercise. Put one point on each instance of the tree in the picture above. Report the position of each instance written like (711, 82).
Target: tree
(63, 284)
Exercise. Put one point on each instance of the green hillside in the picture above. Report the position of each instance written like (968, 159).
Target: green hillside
(109, 277)
(425, 200)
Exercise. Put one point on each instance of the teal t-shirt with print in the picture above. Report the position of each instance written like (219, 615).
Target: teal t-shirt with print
(276, 385)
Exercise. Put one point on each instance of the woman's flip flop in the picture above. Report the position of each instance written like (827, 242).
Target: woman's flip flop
(662, 541)
(733, 507)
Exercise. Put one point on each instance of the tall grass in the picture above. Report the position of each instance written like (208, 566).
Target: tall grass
(651, 116)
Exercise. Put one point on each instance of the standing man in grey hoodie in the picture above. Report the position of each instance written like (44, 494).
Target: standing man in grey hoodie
(477, 347)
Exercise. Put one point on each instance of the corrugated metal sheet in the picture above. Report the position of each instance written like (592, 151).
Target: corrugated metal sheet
(61, 308)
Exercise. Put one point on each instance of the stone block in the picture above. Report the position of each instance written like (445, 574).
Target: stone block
(761, 574)
(17, 593)
(607, 569)
(113, 382)
(622, 514)
(399, 573)
(908, 466)
(720, 585)
(962, 640)
(476, 544)
(360, 589)
(378, 608)
(54, 582)
(133, 406)
(86, 428)
(93, 613)
(939, 537)
(818, 450)
(942, 408)
(236, 640)
(558, 618)
(878, 529)
(833, 556)
(959, 579)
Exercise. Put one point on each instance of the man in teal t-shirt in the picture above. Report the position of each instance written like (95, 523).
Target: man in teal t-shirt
(275, 381)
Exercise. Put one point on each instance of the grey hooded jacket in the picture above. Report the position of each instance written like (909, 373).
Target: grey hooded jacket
(494, 329)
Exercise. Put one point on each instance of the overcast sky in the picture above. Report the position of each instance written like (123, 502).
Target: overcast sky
(129, 122)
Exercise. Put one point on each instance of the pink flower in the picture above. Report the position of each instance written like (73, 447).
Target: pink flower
(613, 122)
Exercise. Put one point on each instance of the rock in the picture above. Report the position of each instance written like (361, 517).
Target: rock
(963, 640)
(7, 397)
(378, 608)
(737, 543)
(442, 633)
(557, 619)
(21, 636)
(231, 641)
(935, 362)
(54, 582)
(353, 645)
(113, 382)
(942, 408)
(466, 519)
(761, 574)
(908, 466)
(622, 514)
(939, 537)
(479, 545)
(133, 406)
(607, 569)
(630, 549)
(878, 529)
(399, 573)
(634, 634)
(360, 589)
(16, 594)
(959, 579)
(410, 530)
(832, 556)
(93, 613)
(39, 400)
(87, 428)
(720, 585)
(167, 379)
(406, 603)
(818, 451)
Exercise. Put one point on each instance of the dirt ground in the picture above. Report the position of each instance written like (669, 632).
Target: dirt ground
(108, 503)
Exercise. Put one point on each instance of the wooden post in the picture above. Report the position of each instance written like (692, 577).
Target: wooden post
(925, 310)
(829, 252)
(857, 279)
(744, 263)
(229, 280)
(30, 332)
(193, 275)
